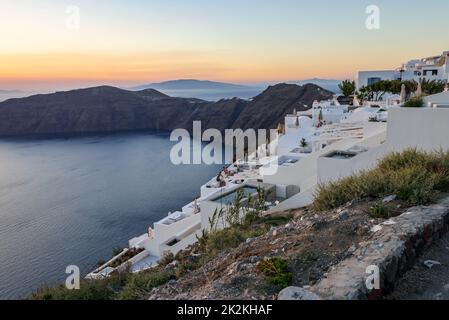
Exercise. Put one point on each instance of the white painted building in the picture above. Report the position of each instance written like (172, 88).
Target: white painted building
(422, 128)
(430, 68)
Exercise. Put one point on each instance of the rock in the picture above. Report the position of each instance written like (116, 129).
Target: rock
(344, 215)
(376, 229)
(430, 264)
(389, 199)
(172, 282)
(171, 266)
(352, 249)
(242, 267)
(217, 285)
(296, 293)
(446, 288)
(254, 259)
(390, 222)
(249, 240)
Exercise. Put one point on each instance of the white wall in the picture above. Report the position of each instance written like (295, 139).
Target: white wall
(424, 128)
(363, 76)
(163, 233)
(437, 100)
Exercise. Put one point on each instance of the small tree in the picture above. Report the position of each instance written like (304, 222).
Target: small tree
(364, 94)
(414, 103)
(433, 86)
(347, 87)
(304, 143)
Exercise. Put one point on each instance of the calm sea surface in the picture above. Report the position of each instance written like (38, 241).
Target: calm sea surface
(69, 201)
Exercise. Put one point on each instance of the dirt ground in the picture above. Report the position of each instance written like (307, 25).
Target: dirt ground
(423, 283)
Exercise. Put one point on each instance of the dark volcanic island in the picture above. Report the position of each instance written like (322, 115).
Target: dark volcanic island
(109, 109)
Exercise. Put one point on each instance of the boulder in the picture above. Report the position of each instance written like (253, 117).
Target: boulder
(296, 293)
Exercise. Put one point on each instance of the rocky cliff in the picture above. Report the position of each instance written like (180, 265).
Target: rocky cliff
(109, 109)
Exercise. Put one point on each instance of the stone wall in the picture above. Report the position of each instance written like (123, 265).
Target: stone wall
(394, 248)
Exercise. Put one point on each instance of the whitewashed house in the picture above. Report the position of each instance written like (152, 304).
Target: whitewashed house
(430, 68)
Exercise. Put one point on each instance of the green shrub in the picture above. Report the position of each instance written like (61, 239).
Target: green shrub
(308, 258)
(230, 238)
(276, 221)
(413, 184)
(123, 286)
(167, 258)
(141, 284)
(412, 175)
(380, 211)
(414, 103)
(97, 290)
(276, 272)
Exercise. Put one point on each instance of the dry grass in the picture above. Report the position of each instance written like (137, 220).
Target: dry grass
(412, 175)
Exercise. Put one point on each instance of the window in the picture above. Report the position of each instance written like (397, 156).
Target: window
(373, 80)
(431, 72)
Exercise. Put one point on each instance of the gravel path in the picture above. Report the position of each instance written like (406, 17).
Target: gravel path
(422, 283)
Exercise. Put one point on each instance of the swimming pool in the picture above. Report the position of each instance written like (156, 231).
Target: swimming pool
(229, 198)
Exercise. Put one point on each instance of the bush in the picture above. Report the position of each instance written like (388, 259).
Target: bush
(347, 87)
(412, 175)
(380, 211)
(123, 286)
(167, 258)
(276, 272)
(230, 238)
(414, 103)
(139, 285)
(97, 290)
(308, 258)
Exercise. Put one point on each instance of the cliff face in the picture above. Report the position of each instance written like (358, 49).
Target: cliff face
(109, 109)
(270, 107)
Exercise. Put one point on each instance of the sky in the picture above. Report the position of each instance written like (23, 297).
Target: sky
(130, 42)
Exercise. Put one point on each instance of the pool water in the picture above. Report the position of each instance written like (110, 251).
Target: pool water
(229, 199)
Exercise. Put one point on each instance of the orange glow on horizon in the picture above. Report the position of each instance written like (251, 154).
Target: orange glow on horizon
(71, 69)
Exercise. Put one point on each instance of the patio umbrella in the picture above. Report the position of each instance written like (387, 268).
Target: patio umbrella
(280, 128)
(403, 93)
(418, 92)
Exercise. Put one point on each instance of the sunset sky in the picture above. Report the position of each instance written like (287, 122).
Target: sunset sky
(128, 42)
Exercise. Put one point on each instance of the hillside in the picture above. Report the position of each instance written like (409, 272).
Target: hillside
(328, 84)
(109, 109)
